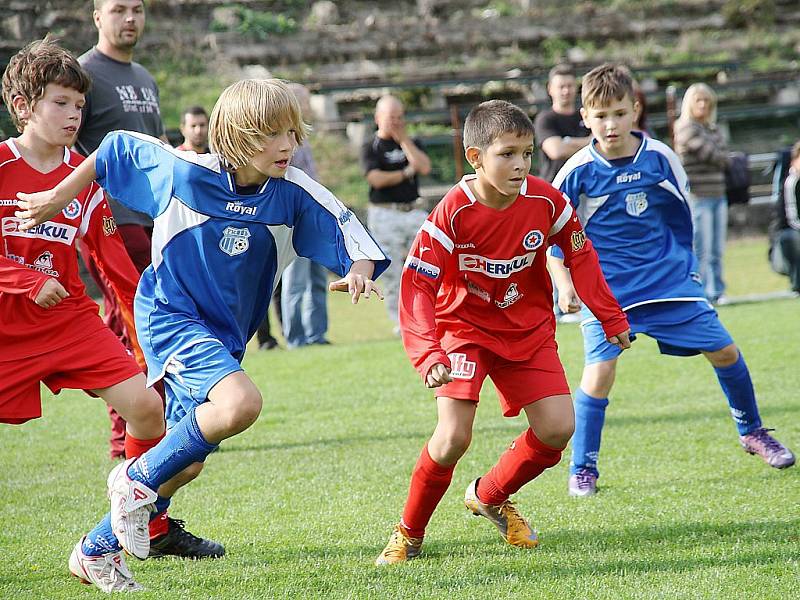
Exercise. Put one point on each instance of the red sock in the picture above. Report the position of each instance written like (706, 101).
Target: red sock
(525, 460)
(135, 447)
(159, 525)
(429, 482)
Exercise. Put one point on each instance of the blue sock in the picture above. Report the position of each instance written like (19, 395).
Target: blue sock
(101, 540)
(738, 387)
(590, 414)
(162, 504)
(182, 446)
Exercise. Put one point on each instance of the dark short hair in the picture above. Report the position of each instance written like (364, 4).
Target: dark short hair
(604, 84)
(491, 119)
(193, 110)
(565, 69)
(34, 67)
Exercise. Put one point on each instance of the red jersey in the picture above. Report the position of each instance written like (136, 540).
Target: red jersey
(477, 275)
(29, 258)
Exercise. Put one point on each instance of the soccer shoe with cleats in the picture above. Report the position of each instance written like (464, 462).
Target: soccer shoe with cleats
(108, 572)
(401, 548)
(179, 542)
(767, 447)
(131, 505)
(582, 484)
(511, 525)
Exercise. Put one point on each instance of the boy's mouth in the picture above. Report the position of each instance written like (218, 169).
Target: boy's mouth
(282, 164)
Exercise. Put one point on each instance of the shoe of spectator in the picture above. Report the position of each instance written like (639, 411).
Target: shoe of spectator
(767, 447)
(270, 344)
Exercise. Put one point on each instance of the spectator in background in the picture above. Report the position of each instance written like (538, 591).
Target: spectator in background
(701, 148)
(784, 252)
(123, 96)
(391, 162)
(641, 116)
(560, 131)
(194, 129)
(303, 298)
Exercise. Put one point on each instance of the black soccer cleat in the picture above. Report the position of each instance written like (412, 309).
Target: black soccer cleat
(179, 542)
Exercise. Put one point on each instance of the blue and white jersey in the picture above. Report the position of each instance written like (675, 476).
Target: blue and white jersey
(635, 212)
(218, 255)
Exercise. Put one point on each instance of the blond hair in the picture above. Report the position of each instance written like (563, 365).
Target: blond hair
(604, 84)
(688, 99)
(246, 113)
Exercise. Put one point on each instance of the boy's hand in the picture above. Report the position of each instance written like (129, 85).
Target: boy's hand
(52, 293)
(621, 340)
(38, 208)
(438, 375)
(355, 284)
(568, 300)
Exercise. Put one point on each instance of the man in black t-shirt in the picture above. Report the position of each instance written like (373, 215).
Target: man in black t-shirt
(560, 131)
(391, 162)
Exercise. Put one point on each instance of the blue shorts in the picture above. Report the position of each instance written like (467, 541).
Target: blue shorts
(680, 328)
(191, 372)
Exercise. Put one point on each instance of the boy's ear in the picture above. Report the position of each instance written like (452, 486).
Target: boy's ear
(584, 116)
(473, 156)
(21, 107)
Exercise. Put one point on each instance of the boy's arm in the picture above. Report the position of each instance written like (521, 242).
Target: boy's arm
(19, 279)
(568, 300)
(100, 233)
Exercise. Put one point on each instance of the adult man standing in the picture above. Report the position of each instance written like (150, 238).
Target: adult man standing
(784, 250)
(560, 131)
(125, 96)
(194, 129)
(392, 161)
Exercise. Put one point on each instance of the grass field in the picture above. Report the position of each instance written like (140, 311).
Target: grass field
(306, 498)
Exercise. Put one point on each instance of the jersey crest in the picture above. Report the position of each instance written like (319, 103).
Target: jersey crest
(636, 204)
(532, 240)
(73, 209)
(234, 240)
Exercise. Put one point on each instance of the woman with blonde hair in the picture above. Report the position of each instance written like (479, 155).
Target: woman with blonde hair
(702, 150)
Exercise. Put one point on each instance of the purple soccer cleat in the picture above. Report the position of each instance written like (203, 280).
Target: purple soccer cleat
(767, 447)
(583, 483)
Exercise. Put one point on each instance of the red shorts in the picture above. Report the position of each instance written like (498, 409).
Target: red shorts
(95, 362)
(519, 383)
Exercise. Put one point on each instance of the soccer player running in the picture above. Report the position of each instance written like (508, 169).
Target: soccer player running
(630, 192)
(476, 301)
(50, 330)
(226, 225)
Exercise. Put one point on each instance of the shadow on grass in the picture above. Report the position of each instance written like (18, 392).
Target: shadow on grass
(691, 415)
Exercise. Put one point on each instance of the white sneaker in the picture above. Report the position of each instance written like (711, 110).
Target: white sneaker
(108, 572)
(131, 505)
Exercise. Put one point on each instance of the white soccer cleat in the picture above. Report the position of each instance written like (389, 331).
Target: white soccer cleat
(108, 572)
(131, 505)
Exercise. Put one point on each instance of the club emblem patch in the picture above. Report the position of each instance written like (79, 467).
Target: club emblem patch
(44, 260)
(73, 209)
(577, 240)
(636, 204)
(532, 240)
(234, 240)
(109, 226)
(511, 296)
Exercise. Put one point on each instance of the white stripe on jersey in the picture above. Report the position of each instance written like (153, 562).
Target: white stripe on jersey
(94, 202)
(439, 235)
(581, 157)
(674, 164)
(588, 206)
(282, 234)
(209, 161)
(668, 185)
(176, 218)
(562, 220)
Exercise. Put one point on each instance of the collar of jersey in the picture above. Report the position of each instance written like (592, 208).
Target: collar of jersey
(228, 178)
(600, 158)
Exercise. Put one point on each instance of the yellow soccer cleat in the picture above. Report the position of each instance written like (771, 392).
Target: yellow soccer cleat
(511, 525)
(401, 548)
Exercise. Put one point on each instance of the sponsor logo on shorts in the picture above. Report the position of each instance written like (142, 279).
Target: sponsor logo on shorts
(495, 268)
(109, 226)
(52, 232)
(636, 204)
(461, 368)
(577, 240)
(512, 295)
(422, 267)
(73, 209)
(532, 240)
(234, 240)
(241, 209)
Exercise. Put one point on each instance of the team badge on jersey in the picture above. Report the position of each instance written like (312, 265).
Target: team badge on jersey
(511, 296)
(234, 240)
(636, 204)
(44, 260)
(73, 209)
(532, 240)
(577, 240)
(460, 367)
(109, 226)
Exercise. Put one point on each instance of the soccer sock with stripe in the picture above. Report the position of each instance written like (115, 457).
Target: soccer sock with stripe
(523, 461)
(738, 387)
(590, 415)
(101, 540)
(182, 446)
(429, 482)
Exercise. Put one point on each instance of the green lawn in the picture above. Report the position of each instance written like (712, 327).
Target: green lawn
(306, 498)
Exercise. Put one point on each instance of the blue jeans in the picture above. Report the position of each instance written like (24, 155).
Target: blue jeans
(710, 220)
(303, 303)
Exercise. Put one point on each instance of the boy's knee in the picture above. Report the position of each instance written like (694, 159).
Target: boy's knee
(247, 408)
(147, 410)
(724, 357)
(556, 434)
(451, 447)
(598, 378)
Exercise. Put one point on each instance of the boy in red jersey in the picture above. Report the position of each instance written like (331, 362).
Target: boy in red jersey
(476, 302)
(50, 330)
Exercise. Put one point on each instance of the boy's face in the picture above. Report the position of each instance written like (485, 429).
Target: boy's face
(503, 165)
(611, 125)
(195, 129)
(273, 160)
(55, 117)
(120, 22)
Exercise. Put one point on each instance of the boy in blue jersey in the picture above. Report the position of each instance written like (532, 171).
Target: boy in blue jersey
(630, 192)
(225, 226)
